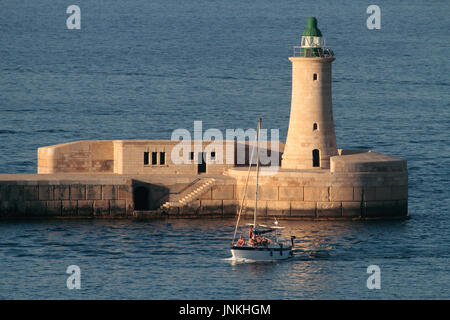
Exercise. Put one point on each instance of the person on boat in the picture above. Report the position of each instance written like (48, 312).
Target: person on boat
(258, 241)
(241, 241)
(252, 241)
(250, 232)
(265, 242)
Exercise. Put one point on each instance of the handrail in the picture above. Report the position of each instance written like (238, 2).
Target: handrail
(186, 187)
(179, 192)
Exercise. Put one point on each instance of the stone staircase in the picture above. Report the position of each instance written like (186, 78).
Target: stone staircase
(199, 188)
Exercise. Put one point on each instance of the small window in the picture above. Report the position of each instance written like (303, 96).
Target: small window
(315, 127)
(191, 156)
(145, 158)
(315, 76)
(154, 158)
(162, 158)
(213, 155)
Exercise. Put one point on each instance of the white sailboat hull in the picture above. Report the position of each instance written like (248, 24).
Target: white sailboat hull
(270, 253)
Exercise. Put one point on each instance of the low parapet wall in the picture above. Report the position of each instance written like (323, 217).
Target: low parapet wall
(79, 157)
(366, 162)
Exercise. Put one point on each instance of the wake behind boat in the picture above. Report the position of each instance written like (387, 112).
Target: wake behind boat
(258, 247)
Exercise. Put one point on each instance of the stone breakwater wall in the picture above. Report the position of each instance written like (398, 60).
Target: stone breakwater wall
(315, 194)
(101, 196)
(380, 197)
(68, 199)
(356, 196)
(358, 185)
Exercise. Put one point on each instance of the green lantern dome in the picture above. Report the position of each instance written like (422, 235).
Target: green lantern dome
(311, 28)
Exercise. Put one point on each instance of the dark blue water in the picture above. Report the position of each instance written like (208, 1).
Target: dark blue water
(139, 69)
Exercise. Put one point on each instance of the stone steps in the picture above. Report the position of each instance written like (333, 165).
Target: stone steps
(190, 196)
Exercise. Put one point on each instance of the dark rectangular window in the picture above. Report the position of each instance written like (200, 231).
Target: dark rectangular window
(213, 155)
(154, 158)
(191, 156)
(145, 158)
(162, 158)
(315, 76)
(316, 158)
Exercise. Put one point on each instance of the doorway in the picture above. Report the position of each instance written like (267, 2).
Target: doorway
(201, 162)
(316, 158)
(141, 199)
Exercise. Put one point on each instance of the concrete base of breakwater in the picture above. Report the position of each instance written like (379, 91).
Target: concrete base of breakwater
(306, 195)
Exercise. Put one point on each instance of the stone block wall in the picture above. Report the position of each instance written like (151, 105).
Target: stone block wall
(302, 202)
(348, 193)
(127, 156)
(293, 199)
(43, 199)
(79, 157)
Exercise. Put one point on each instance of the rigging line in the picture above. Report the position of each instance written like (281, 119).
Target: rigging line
(244, 195)
(257, 172)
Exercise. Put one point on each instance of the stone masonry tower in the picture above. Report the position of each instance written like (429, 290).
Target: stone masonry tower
(311, 140)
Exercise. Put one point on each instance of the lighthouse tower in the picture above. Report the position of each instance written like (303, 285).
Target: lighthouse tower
(311, 140)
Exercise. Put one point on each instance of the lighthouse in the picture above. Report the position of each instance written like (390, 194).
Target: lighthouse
(311, 139)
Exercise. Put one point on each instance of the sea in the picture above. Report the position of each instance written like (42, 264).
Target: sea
(139, 69)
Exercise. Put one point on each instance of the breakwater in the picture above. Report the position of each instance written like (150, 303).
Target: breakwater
(127, 196)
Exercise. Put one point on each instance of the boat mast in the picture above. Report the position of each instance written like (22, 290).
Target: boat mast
(243, 196)
(257, 172)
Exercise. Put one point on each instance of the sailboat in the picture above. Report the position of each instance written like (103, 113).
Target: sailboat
(258, 247)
